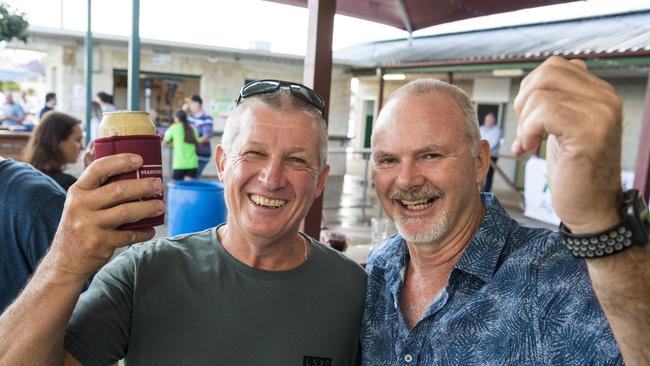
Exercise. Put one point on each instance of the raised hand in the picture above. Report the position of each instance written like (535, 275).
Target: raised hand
(582, 116)
(87, 235)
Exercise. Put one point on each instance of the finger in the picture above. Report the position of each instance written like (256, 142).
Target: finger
(559, 74)
(579, 62)
(553, 115)
(130, 212)
(546, 98)
(101, 169)
(121, 191)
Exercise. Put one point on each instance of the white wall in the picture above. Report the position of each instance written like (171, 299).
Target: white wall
(220, 77)
(630, 89)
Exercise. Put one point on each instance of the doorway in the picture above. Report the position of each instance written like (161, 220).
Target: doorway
(368, 119)
(161, 92)
(482, 109)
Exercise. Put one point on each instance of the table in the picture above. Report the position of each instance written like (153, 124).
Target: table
(12, 143)
(359, 253)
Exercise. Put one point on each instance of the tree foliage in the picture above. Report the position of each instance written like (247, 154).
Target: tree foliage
(12, 24)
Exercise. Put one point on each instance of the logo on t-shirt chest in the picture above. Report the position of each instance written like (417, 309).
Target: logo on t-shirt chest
(316, 361)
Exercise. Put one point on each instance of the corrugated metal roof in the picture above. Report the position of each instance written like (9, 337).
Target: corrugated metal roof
(617, 34)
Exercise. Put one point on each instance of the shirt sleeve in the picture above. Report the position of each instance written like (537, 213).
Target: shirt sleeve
(99, 330)
(44, 225)
(206, 128)
(571, 321)
(168, 134)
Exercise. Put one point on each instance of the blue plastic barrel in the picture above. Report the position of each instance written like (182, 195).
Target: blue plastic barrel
(194, 205)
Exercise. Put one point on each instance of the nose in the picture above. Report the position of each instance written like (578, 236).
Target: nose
(272, 175)
(409, 176)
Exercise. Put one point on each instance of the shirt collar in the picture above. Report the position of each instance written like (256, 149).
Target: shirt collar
(483, 252)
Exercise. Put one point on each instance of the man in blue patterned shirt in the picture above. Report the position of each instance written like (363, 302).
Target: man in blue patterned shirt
(464, 284)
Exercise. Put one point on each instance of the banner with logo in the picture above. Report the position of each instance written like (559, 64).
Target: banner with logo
(537, 192)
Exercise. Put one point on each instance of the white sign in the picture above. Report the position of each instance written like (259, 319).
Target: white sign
(537, 193)
(78, 98)
(161, 58)
(491, 90)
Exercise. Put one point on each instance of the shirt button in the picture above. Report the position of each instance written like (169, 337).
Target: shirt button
(408, 358)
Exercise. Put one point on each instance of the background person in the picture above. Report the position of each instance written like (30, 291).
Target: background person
(204, 125)
(492, 133)
(105, 101)
(95, 120)
(182, 138)
(14, 115)
(50, 104)
(57, 141)
(31, 208)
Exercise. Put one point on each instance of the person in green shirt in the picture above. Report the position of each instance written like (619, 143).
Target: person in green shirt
(182, 137)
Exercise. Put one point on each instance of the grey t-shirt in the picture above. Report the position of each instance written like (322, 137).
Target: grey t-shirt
(187, 301)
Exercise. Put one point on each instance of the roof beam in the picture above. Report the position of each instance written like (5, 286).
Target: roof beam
(526, 64)
(405, 19)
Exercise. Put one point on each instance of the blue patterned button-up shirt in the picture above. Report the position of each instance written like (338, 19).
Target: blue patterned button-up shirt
(515, 297)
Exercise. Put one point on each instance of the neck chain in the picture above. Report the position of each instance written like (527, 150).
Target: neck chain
(305, 241)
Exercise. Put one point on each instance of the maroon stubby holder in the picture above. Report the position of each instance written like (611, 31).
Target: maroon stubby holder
(147, 146)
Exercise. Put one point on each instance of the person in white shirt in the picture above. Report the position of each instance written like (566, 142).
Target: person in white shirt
(492, 133)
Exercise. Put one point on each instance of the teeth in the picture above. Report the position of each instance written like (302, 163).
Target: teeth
(417, 205)
(418, 202)
(267, 202)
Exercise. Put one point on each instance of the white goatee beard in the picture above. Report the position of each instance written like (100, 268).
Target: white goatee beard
(433, 228)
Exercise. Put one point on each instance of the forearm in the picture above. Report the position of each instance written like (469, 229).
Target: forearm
(17, 118)
(32, 328)
(622, 284)
(205, 138)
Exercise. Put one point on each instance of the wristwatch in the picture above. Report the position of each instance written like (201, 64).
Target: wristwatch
(634, 230)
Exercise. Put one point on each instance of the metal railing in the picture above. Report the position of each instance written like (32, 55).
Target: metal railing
(366, 177)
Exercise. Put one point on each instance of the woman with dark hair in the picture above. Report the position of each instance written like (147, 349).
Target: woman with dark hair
(182, 137)
(55, 143)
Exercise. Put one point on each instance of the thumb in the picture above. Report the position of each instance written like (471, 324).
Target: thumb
(579, 62)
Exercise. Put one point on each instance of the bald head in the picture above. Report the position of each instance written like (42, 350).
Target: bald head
(425, 87)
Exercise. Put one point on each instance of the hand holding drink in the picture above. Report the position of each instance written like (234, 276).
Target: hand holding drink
(87, 235)
(132, 132)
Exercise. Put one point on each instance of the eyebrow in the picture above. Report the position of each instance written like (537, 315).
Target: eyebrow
(429, 148)
(425, 149)
(253, 143)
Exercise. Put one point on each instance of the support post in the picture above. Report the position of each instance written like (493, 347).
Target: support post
(133, 78)
(318, 75)
(88, 71)
(380, 97)
(642, 168)
(450, 78)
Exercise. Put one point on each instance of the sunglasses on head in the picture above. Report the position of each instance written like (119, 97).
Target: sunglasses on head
(270, 86)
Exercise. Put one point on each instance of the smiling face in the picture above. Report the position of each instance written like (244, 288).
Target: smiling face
(425, 172)
(271, 172)
(72, 146)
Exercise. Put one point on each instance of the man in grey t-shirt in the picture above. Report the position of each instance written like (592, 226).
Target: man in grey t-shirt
(251, 292)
